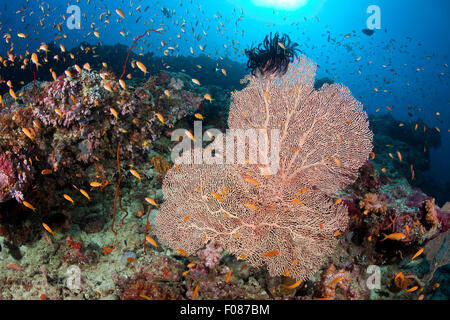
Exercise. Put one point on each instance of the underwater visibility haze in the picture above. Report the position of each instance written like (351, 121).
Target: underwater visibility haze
(217, 150)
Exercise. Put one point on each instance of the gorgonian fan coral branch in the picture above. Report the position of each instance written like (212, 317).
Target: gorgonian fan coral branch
(131, 48)
(285, 220)
(117, 194)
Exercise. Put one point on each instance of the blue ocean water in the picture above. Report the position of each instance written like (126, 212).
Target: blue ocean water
(406, 60)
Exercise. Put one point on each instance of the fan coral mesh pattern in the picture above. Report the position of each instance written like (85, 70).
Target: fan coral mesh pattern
(284, 221)
(324, 134)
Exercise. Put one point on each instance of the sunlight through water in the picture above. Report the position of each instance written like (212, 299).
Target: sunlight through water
(281, 4)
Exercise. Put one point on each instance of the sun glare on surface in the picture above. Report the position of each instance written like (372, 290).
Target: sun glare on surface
(281, 4)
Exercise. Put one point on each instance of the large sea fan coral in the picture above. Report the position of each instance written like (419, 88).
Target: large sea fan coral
(285, 220)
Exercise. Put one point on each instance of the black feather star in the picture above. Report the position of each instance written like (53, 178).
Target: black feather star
(273, 55)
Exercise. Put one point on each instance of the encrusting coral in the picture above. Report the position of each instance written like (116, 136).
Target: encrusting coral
(331, 280)
(160, 164)
(431, 216)
(372, 204)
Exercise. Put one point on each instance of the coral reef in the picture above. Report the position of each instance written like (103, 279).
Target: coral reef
(50, 137)
(263, 233)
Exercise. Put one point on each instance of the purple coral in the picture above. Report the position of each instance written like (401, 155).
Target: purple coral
(210, 256)
(5, 176)
(15, 177)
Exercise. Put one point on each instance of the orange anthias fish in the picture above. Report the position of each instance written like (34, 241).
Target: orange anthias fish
(271, 254)
(84, 193)
(251, 206)
(185, 272)
(207, 96)
(189, 135)
(34, 59)
(153, 242)
(182, 252)
(160, 117)
(412, 289)
(77, 67)
(120, 13)
(295, 285)
(46, 227)
(68, 198)
(87, 67)
(151, 201)
(108, 87)
(122, 84)
(297, 201)
(228, 276)
(29, 205)
(141, 67)
(114, 113)
(195, 292)
(95, 184)
(12, 93)
(136, 174)
(418, 253)
(14, 266)
(199, 116)
(27, 133)
(251, 180)
(394, 236)
(59, 112)
(217, 196)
